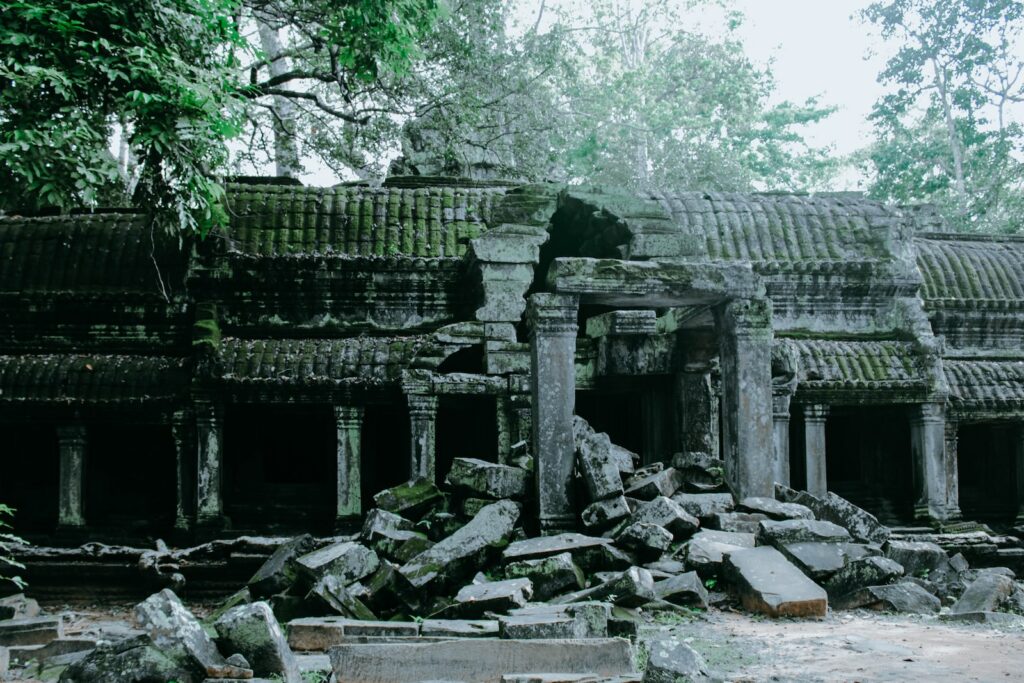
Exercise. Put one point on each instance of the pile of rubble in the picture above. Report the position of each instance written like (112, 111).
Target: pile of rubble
(434, 567)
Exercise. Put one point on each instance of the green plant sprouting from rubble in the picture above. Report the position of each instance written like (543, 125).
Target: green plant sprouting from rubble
(7, 541)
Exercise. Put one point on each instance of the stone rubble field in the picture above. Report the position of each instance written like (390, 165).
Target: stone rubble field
(670, 579)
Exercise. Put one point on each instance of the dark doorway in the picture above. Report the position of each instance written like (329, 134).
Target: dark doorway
(869, 460)
(617, 413)
(30, 476)
(797, 450)
(130, 479)
(280, 466)
(467, 427)
(385, 449)
(986, 462)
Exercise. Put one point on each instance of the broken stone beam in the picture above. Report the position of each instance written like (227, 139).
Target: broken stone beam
(317, 634)
(768, 583)
(488, 479)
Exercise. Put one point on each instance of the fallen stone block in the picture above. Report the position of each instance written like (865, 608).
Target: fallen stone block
(129, 660)
(768, 583)
(670, 660)
(600, 472)
(180, 636)
(549, 575)
(18, 606)
(320, 633)
(821, 560)
(30, 631)
(989, 618)
(452, 558)
(483, 479)
(347, 560)
(663, 483)
(253, 632)
(787, 531)
(625, 460)
(580, 620)
(23, 654)
(704, 506)
(279, 572)
(459, 628)
(496, 596)
(665, 512)
(604, 513)
(706, 549)
(411, 499)
(378, 520)
(647, 540)
(861, 524)
(775, 509)
(683, 589)
(631, 588)
(737, 522)
(399, 546)
(479, 660)
(918, 558)
(701, 471)
(858, 574)
(545, 546)
(987, 593)
(332, 592)
(903, 597)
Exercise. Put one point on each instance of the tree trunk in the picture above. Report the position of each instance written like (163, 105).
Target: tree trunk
(286, 146)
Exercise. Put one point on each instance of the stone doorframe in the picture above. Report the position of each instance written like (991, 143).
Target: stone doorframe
(741, 318)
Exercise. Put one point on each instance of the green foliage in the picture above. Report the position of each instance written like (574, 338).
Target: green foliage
(944, 133)
(7, 541)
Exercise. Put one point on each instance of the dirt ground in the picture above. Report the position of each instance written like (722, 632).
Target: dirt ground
(853, 646)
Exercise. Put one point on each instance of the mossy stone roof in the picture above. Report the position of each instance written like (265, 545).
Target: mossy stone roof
(835, 364)
(99, 378)
(971, 268)
(985, 384)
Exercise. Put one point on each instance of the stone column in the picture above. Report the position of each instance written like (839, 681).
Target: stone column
(815, 456)
(780, 437)
(952, 470)
(696, 405)
(349, 502)
(209, 465)
(928, 448)
(503, 414)
(553, 326)
(71, 497)
(422, 432)
(746, 355)
(184, 454)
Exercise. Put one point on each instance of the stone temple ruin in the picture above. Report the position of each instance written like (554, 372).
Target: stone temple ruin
(293, 371)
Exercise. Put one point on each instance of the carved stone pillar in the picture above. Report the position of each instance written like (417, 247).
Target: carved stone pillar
(697, 412)
(746, 348)
(553, 326)
(780, 436)
(952, 470)
(815, 417)
(928, 448)
(71, 498)
(184, 455)
(210, 466)
(349, 502)
(422, 435)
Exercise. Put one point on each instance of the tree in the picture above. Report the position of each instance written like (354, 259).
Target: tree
(7, 541)
(944, 133)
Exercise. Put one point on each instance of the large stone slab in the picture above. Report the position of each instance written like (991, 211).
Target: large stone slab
(775, 509)
(604, 513)
(253, 632)
(465, 550)
(667, 513)
(821, 560)
(347, 560)
(30, 631)
(861, 524)
(600, 471)
(648, 487)
(411, 499)
(479, 660)
(487, 479)
(320, 633)
(705, 550)
(768, 583)
(647, 540)
(279, 572)
(476, 599)
(987, 593)
(784, 532)
(545, 546)
(682, 589)
(129, 660)
(859, 574)
(378, 520)
(459, 628)
(580, 620)
(670, 660)
(919, 558)
(549, 575)
(903, 597)
(703, 506)
(631, 588)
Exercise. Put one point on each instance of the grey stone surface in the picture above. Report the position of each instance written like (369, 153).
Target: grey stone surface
(647, 540)
(775, 509)
(478, 660)
(604, 513)
(683, 589)
(990, 618)
(705, 550)
(549, 575)
(410, 500)
(180, 636)
(700, 469)
(545, 546)
(378, 520)
(317, 634)
(580, 620)
(129, 660)
(817, 560)
(600, 471)
(30, 631)
(740, 522)
(456, 556)
(55, 648)
(768, 583)
(475, 600)
(917, 557)
(904, 597)
(488, 480)
(663, 483)
(18, 606)
(858, 574)
(987, 593)
(279, 572)
(348, 560)
(704, 505)
(399, 545)
(861, 524)
(253, 632)
(631, 588)
(669, 660)
(788, 531)
(332, 592)
(459, 628)
(666, 513)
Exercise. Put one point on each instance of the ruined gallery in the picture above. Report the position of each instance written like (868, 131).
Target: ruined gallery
(330, 343)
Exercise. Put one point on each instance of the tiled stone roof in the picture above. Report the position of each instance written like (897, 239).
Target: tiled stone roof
(110, 252)
(857, 364)
(985, 384)
(75, 379)
(430, 222)
(784, 227)
(971, 268)
(317, 361)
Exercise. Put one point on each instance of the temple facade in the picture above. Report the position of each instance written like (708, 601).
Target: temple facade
(332, 342)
